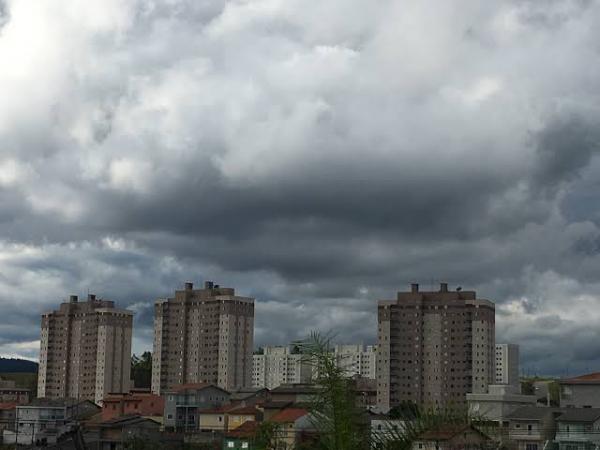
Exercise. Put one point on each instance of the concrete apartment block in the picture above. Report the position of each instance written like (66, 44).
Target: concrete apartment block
(434, 347)
(507, 364)
(85, 350)
(278, 365)
(203, 336)
(356, 359)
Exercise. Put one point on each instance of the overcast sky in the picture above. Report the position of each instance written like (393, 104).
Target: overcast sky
(317, 155)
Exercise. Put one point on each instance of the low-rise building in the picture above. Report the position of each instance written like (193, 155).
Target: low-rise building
(242, 438)
(118, 433)
(8, 414)
(532, 427)
(498, 403)
(296, 393)
(15, 394)
(294, 426)
(132, 403)
(47, 419)
(451, 437)
(578, 429)
(580, 392)
(227, 418)
(183, 402)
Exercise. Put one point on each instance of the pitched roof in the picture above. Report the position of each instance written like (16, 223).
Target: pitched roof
(579, 415)
(246, 430)
(289, 415)
(194, 386)
(590, 378)
(532, 413)
(447, 432)
(299, 388)
(128, 419)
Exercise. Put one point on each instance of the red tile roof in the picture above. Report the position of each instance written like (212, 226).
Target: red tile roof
(8, 405)
(289, 415)
(590, 378)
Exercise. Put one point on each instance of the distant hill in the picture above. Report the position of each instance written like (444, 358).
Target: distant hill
(14, 365)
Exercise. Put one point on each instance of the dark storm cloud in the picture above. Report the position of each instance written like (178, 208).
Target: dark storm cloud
(316, 164)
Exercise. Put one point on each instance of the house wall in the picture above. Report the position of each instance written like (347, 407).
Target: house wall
(580, 395)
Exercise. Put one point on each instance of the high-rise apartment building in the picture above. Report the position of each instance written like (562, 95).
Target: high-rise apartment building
(507, 364)
(279, 365)
(356, 359)
(434, 347)
(203, 336)
(85, 350)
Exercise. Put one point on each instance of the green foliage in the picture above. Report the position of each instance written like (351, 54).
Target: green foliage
(266, 436)
(341, 425)
(141, 370)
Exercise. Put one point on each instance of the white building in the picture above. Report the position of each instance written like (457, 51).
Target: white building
(356, 359)
(500, 401)
(277, 366)
(507, 364)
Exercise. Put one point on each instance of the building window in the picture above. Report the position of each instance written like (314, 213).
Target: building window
(531, 447)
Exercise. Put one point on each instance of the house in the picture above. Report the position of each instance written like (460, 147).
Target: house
(383, 427)
(47, 419)
(294, 426)
(497, 403)
(14, 394)
(451, 437)
(532, 427)
(183, 402)
(227, 418)
(242, 438)
(8, 414)
(578, 429)
(132, 403)
(580, 392)
(250, 396)
(296, 393)
(116, 433)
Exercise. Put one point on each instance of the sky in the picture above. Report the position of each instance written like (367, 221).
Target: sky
(316, 155)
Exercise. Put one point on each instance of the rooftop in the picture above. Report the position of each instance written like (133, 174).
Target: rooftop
(579, 415)
(532, 413)
(590, 378)
(289, 415)
(447, 432)
(246, 430)
(193, 387)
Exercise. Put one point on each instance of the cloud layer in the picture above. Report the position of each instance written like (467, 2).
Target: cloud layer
(317, 156)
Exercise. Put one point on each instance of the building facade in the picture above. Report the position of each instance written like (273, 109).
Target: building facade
(434, 347)
(279, 365)
(580, 392)
(356, 359)
(203, 336)
(507, 364)
(85, 350)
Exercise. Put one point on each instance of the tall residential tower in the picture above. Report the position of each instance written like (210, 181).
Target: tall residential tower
(203, 336)
(85, 350)
(434, 347)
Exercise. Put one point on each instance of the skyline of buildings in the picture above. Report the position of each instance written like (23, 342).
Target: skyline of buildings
(433, 347)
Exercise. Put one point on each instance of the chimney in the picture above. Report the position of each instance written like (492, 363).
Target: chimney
(189, 286)
(73, 299)
(91, 297)
(414, 287)
(443, 287)
(208, 285)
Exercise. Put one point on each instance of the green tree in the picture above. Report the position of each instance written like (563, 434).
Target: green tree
(340, 424)
(141, 370)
